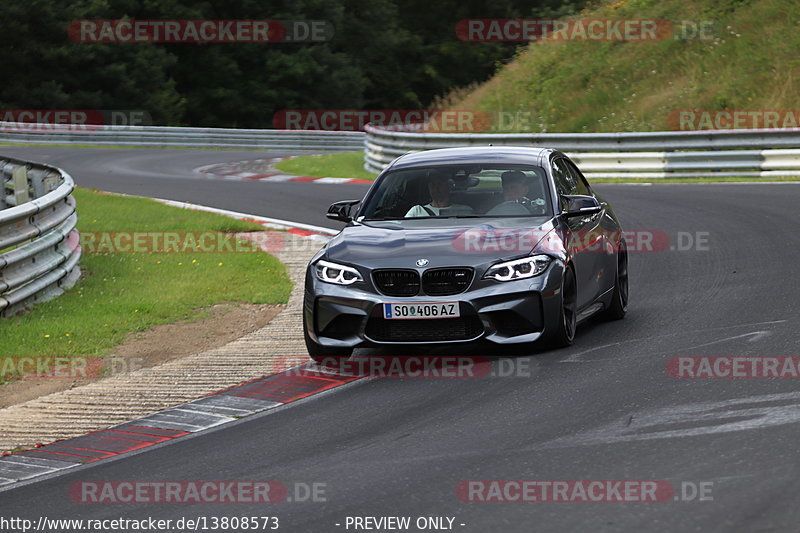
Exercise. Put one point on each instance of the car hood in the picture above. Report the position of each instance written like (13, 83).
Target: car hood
(456, 243)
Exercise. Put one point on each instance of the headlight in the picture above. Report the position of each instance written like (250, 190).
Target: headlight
(339, 274)
(527, 267)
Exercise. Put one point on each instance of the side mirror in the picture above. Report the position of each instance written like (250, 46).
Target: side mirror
(580, 205)
(341, 211)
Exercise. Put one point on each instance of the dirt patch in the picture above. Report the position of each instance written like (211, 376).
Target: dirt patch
(218, 325)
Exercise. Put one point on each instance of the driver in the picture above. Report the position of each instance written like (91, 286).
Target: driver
(439, 186)
(516, 187)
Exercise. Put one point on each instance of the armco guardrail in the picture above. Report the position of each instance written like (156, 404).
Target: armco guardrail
(162, 136)
(660, 154)
(39, 249)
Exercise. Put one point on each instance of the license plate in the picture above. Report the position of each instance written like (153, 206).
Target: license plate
(421, 310)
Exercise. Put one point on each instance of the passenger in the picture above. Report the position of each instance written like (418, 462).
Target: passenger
(439, 186)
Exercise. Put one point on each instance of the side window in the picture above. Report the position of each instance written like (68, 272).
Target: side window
(581, 187)
(565, 183)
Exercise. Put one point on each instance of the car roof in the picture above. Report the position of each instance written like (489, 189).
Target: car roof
(518, 155)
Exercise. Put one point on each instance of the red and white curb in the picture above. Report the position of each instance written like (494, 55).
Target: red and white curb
(233, 171)
(220, 408)
(306, 231)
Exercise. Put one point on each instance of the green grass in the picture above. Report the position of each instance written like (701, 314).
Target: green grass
(749, 63)
(122, 293)
(343, 165)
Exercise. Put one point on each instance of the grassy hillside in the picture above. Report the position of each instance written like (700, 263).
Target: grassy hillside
(751, 62)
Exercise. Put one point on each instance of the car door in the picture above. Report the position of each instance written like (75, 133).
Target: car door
(586, 243)
(604, 245)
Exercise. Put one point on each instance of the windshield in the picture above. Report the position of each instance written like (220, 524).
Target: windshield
(490, 191)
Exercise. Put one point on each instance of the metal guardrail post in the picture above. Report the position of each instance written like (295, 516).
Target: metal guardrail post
(19, 177)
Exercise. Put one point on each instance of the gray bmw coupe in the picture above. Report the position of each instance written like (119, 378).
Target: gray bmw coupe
(504, 245)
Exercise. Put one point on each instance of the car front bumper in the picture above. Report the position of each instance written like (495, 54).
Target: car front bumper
(511, 312)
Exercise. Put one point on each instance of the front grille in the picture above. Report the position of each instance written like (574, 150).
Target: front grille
(446, 281)
(422, 330)
(397, 282)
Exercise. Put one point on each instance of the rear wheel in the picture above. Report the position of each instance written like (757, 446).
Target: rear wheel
(320, 353)
(568, 317)
(619, 298)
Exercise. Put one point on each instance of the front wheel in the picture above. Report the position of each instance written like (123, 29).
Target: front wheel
(619, 298)
(320, 353)
(568, 317)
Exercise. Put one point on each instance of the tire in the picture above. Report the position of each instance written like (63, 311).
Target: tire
(567, 323)
(619, 298)
(321, 353)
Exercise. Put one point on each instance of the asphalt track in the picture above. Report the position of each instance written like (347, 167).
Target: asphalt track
(603, 409)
